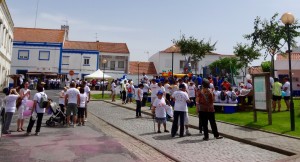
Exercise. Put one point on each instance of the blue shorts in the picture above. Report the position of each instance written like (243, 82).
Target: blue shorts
(130, 95)
(161, 120)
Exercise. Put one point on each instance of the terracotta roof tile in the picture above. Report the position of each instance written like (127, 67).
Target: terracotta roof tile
(113, 47)
(255, 70)
(38, 35)
(294, 56)
(144, 67)
(100, 46)
(80, 45)
(177, 50)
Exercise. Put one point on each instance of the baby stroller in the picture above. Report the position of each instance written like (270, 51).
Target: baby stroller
(57, 115)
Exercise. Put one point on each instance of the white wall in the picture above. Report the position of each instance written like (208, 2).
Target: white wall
(282, 67)
(114, 57)
(163, 61)
(6, 37)
(76, 63)
(33, 64)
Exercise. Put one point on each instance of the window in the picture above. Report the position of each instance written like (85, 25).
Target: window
(44, 55)
(120, 64)
(112, 65)
(86, 61)
(65, 60)
(23, 55)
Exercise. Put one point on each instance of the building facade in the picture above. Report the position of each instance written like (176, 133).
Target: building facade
(163, 61)
(6, 43)
(37, 51)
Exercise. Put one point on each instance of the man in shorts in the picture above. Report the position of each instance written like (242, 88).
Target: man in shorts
(276, 92)
(72, 100)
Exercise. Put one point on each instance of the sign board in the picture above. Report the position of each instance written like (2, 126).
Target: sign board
(262, 95)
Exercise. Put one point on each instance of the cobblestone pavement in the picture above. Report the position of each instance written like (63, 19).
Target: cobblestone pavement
(268, 139)
(96, 142)
(184, 149)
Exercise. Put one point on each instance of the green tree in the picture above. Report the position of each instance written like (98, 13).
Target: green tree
(246, 54)
(266, 66)
(230, 65)
(196, 48)
(270, 35)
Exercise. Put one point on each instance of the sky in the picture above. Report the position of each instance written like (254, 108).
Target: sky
(150, 26)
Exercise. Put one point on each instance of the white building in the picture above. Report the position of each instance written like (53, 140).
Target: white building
(6, 43)
(163, 61)
(48, 52)
(37, 51)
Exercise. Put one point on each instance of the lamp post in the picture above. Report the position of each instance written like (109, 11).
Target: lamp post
(138, 82)
(104, 63)
(288, 19)
(173, 48)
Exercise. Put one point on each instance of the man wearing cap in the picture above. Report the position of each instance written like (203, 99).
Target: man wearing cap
(180, 110)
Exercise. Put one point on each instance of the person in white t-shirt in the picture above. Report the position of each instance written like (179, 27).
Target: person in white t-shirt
(82, 106)
(37, 111)
(159, 109)
(87, 91)
(287, 90)
(192, 94)
(113, 91)
(138, 99)
(232, 97)
(154, 89)
(10, 109)
(25, 95)
(72, 100)
(217, 94)
(180, 110)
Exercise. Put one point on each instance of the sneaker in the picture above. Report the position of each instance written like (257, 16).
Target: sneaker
(83, 124)
(37, 134)
(7, 132)
(79, 124)
(85, 119)
(188, 133)
(27, 134)
(219, 137)
(159, 131)
(74, 126)
(166, 131)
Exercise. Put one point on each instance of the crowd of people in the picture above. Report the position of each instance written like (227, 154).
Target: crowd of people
(72, 102)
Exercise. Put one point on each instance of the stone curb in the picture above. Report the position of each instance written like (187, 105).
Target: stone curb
(141, 140)
(263, 146)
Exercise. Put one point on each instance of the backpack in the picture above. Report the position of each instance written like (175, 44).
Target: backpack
(43, 103)
(223, 96)
(233, 96)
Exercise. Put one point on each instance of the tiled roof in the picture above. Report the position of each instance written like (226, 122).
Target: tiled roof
(80, 45)
(144, 67)
(255, 70)
(177, 50)
(38, 35)
(100, 46)
(113, 47)
(294, 56)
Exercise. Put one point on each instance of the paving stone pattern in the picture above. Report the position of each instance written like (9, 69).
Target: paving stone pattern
(184, 149)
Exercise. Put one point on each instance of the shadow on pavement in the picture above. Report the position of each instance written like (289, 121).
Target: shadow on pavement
(163, 137)
(190, 141)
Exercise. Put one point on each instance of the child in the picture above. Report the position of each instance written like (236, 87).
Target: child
(138, 99)
(82, 106)
(159, 108)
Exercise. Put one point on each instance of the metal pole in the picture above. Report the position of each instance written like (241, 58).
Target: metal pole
(172, 64)
(138, 73)
(103, 81)
(292, 113)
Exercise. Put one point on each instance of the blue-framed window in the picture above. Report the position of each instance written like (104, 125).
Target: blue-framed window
(44, 55)
(65, 60)
(23, 54)
(86, 61)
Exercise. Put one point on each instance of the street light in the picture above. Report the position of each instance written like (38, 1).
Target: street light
(138, 82)
(103, 62)
(288, 19)
(173, 48)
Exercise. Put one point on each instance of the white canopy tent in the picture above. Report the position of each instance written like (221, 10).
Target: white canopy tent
(97, 75)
